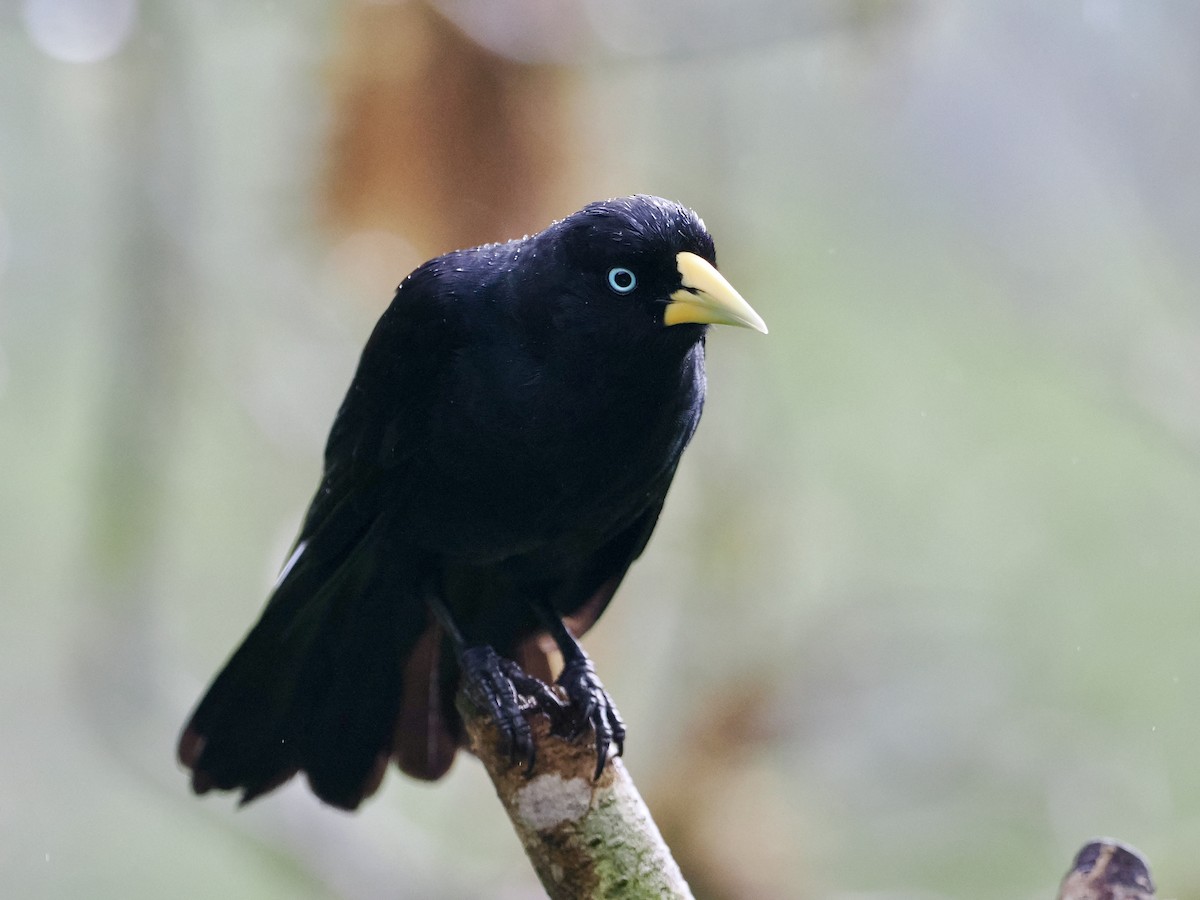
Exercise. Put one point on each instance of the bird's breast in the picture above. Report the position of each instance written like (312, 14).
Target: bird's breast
(541, 461)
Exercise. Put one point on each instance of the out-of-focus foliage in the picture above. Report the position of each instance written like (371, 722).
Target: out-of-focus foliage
(921, 615)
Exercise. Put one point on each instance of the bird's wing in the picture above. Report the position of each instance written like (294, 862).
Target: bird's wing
(609, 564)
(385, 418)
(347, 608)
(591, 591)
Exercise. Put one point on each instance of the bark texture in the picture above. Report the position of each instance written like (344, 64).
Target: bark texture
(1107, 870)
(586, 839)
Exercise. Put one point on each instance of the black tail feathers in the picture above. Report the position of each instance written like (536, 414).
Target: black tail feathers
(316, 686)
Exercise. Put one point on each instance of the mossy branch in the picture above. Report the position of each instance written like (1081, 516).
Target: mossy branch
(595, 839)
(585, 838)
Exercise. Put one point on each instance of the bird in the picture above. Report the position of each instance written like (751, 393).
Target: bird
(499, 461)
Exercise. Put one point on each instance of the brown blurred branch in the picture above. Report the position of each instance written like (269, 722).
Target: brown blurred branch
(1107, 870)
(585, 838)
(438, 139)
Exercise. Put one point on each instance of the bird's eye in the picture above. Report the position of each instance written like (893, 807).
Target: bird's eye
(621, 280)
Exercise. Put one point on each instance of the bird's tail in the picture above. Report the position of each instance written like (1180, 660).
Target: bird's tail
(316, 686)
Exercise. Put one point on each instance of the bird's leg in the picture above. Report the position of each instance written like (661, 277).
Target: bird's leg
(497, 686)
(589, 701)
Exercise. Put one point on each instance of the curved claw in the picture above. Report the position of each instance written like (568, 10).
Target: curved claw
(505, 690)
(593, 708)
(490, 687)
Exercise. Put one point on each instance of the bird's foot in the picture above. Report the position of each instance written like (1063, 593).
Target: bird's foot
(504, 690)
(589, 706)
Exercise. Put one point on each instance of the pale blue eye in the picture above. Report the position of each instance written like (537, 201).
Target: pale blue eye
(621, 280)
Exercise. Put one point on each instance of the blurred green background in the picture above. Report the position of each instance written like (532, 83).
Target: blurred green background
(921, 615)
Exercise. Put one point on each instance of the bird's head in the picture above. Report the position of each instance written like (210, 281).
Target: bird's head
(647, 264)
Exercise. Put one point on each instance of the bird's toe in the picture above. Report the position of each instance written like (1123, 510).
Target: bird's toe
(590, 708)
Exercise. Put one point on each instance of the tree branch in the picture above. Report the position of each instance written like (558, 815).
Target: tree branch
(595, 839)
(1107, 870)
(586, 839)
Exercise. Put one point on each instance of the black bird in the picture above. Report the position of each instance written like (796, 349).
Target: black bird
(499, 461)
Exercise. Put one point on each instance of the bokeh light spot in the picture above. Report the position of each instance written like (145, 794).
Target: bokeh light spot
(79, 31)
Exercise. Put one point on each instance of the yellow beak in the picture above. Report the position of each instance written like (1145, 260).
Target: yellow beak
(706, 298)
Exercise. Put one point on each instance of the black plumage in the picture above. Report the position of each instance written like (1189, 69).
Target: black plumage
(500, 459)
